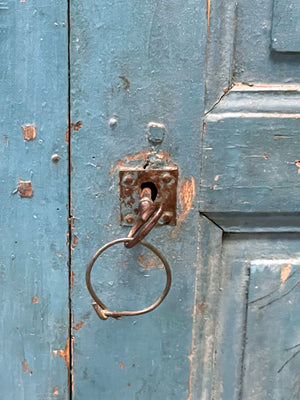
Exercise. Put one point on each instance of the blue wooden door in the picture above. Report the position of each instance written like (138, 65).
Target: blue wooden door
(87, 89)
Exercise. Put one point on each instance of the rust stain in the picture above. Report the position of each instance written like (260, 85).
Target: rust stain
(25, 366)
(128, 384)
(285, 273)
(141, 156)
(29, 132)
(65, 354)
(74, 127)
(55, 391)
(149, 263)
(35, 300)
(78, 326)
(75, 241)
(126, 82)
(121, 365)
(25, 188)
(72, 278)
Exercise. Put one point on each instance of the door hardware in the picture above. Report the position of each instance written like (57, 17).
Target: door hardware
(156, 193)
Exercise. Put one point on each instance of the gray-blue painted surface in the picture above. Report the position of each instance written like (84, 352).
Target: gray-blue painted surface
(33, 253)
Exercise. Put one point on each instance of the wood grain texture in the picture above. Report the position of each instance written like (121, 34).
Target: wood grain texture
(253, 266)
(134, 63)
(272, 356)
(33, 219)
(255, 160)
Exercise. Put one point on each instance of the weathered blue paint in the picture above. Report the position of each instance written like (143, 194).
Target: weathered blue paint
(33, 255)
(273, 327)
(137, 62)
(286, 26)
(254, 60)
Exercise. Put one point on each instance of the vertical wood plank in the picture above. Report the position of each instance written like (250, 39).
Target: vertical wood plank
(34, 195)
(133, 63)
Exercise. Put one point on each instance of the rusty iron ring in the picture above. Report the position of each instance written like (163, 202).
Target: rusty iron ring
(143, 230)
(100, 308)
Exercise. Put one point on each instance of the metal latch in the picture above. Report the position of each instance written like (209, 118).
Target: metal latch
(163, 185)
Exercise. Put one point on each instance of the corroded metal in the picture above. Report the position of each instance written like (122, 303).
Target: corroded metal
(132, 181)
(100, 308)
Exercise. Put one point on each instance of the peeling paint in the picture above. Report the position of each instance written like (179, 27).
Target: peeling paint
(29, 132)
(78, 326)
(72, 278)
(190, 357)
(143, 157)
(55, 391)
(78, 125)
(25, 366)
(187, 193)
(285, 273)
(148, 263)
(35, 300)
(25, 188)
(65, 354)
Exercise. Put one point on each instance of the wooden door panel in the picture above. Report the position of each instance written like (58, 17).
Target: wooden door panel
(272, 351)
(251, 319)
(34, 197)
(133, 63)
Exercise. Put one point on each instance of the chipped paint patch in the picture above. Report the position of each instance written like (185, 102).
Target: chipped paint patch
(25, 366)
(148, 263)
(297, 163)
(74, 127)
(29, 132)
(190, 357)
(187, 193)
(121, 365)
(65, 353)
(217, 177)
(72, 278)
(143, 157)
(285, 273)
(78, 326)
(55, 352)
(55, 391)
(25, 188)
(35, 300)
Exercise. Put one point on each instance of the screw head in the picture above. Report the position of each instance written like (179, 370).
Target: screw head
(55, 158)
(166, 217)
(129, 218)
(166, 177)
(128, 179)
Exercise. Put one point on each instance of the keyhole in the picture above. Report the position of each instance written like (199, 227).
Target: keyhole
(152, 187)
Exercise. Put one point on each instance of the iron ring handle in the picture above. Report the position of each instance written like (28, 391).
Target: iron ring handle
(144, 230)
(100, 308)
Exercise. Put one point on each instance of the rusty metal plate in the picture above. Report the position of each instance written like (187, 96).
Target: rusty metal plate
(162, 180)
